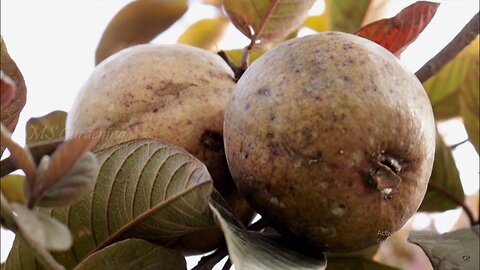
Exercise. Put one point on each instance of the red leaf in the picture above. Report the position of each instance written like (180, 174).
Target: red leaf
(7, 90)
(396, 33)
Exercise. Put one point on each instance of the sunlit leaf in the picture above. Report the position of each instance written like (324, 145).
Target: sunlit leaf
(205, 33)
(8, 90)
(346, 15)
(137, 23)
(444, 176)
(46, 231)
(9, 115)
(469, 103)
(217, 3)
(47, 127)
(133, 254)
(258, 251)
(355, 263)
(145, 189)
(73, 186)
(13, 188)
(443, 89)
(20, 156)
(396, 33)
(453, 250)
(287, 16)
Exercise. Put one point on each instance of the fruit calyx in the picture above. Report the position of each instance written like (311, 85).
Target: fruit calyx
(385, 176)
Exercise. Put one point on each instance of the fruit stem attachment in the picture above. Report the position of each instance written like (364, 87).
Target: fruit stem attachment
(468, 33)
(246, 52)
(454, 199)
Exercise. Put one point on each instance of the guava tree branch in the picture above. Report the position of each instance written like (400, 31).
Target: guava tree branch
(445, 192)
(468, 33)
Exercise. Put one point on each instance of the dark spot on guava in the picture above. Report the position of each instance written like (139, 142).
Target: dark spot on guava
(247, 106)
(155, 110)
(345, 78)
(245, 155)
(212, 140)
(270, 135)
(263, 92)
(272, 117)
(347, 46)
(149, 87)
(297, 70)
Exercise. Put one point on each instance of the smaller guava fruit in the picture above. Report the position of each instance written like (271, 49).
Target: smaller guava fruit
(173, 93)
(331, 139)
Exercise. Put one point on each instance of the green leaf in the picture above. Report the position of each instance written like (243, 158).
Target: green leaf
(443, 89)
(65, 157)
(145, 189)
(137, 23)
(73, 186)
(9, 115)
(257, 251)
(286, 17)
(355, 263)
(46, 231)
(134, 254)
(453, 250)
(469, 103)
(205, 33)
(445, 177)
(13, 188)
(47, 127)
(346, 15)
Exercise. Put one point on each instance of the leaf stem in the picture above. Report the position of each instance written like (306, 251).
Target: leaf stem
(246, 51)
(468, 33)
(454, 199)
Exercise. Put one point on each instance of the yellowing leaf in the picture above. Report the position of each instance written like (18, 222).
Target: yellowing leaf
(13, 188)
(443, 88)
(20, 156)
(346, 15)
(205, 33)
(286, 17)
(469, 103)
(9, 115)
(47, 127)
(137, 23)
(236, 56)
(444, 176)
(317, 23)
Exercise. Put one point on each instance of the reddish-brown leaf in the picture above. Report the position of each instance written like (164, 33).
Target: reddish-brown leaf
(396, 33)
(65, 157)
(7, 90)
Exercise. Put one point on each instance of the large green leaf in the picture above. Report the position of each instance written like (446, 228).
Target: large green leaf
(443, 89)
(205, 33)
(469, 102)
(137, 23)
(258, 251)
(454, 250)
(286, 17)
(48, 127)
(145, 189)
(445, 177)
(133, 254)
(346, 15)
(9, 115)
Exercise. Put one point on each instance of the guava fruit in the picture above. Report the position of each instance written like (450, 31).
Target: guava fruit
(331, 140)
(173, 93)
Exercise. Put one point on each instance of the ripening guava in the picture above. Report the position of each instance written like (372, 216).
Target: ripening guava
(331, 139)
(173, 93)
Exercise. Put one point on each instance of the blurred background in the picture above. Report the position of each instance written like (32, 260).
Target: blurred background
(54, 42)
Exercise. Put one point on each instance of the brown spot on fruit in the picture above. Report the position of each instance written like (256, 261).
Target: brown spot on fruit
(212, 140)
(264, 92)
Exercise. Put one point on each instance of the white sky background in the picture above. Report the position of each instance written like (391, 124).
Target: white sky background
(53, 43)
